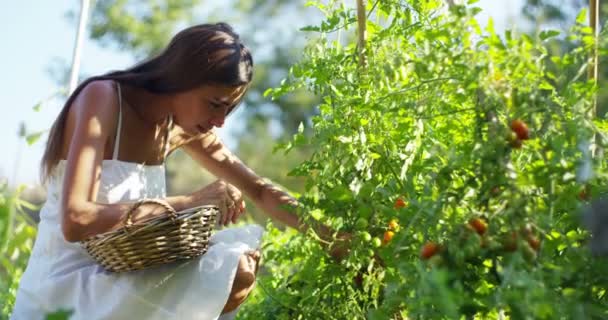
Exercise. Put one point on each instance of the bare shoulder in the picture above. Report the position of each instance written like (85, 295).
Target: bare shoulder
(93, 113)
(97, 97)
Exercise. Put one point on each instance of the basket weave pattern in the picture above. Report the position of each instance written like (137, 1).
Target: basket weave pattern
(166, 238)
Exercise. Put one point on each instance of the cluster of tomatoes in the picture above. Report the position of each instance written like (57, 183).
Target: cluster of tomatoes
(519, 132)
(389, 231)
(474, 238)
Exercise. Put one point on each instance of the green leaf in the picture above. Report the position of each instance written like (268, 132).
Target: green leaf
(317, 214)
(310, 29)
(6, 221)
(61, 314)
(33, 137)
(581, 18)
(546, 34)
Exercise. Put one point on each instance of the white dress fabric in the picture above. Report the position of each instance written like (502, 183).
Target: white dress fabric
(61, 275)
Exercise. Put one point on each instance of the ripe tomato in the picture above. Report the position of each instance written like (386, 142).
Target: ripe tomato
(428, 250)
(393, 225)
(400, 203)
(521, 129)
(388, 236)
(479, 225)
(534, 242)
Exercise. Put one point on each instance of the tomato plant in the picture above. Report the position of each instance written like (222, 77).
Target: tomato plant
(430, 116)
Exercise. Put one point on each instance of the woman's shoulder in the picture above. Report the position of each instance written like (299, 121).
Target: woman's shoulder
(99, 90)
(97, 97)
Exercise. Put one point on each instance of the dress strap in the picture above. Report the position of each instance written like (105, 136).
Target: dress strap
(167, 144)
(118, 129)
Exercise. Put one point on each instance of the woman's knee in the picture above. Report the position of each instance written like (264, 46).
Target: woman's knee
(244, 281)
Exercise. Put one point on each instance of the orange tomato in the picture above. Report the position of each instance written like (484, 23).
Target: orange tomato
(428, 250)
(400, 203)
(388, 236)
(479, 225)
(534, 242)
(521, 129)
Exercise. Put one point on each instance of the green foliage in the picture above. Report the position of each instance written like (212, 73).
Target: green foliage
(17, 233)
(428, 121)
(562, 15)
(59, 315)
(143, 29)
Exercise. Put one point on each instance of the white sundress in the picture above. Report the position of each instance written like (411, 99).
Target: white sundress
(61, 275)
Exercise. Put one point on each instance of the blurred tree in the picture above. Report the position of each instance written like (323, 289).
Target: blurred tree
(561, 14)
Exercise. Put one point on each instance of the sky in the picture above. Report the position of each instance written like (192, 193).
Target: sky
(36, 34)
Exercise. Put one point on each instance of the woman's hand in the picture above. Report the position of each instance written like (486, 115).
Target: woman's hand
(225, 196)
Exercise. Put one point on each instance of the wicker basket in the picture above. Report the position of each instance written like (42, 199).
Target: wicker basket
(162, 239)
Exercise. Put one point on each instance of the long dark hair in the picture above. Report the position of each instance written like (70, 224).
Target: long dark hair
(199, 55)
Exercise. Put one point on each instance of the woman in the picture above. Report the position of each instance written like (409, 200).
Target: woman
(106, 151)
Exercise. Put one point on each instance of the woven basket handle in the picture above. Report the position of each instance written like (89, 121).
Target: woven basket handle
(129, 219)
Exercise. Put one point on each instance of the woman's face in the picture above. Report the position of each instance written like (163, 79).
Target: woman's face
(201, 109)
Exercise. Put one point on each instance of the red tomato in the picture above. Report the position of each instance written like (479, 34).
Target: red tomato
(521, 129)
(534, 242)
(479, 225)
(428, 250)
(400, 203)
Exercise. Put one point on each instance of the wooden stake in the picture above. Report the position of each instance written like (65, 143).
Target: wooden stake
(593, 23)
(361, 20)
(594, 66)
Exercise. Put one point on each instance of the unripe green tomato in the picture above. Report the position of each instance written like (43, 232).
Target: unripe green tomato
(361, 223)
(366, 237)
(376, 242)
(370, 252)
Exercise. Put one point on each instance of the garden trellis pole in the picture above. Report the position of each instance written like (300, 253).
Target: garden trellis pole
(361, 22)
(82, 23)
(594, 67)
(594, 6)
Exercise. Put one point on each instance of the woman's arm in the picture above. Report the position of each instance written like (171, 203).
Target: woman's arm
(91, 121)
(211, 153)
